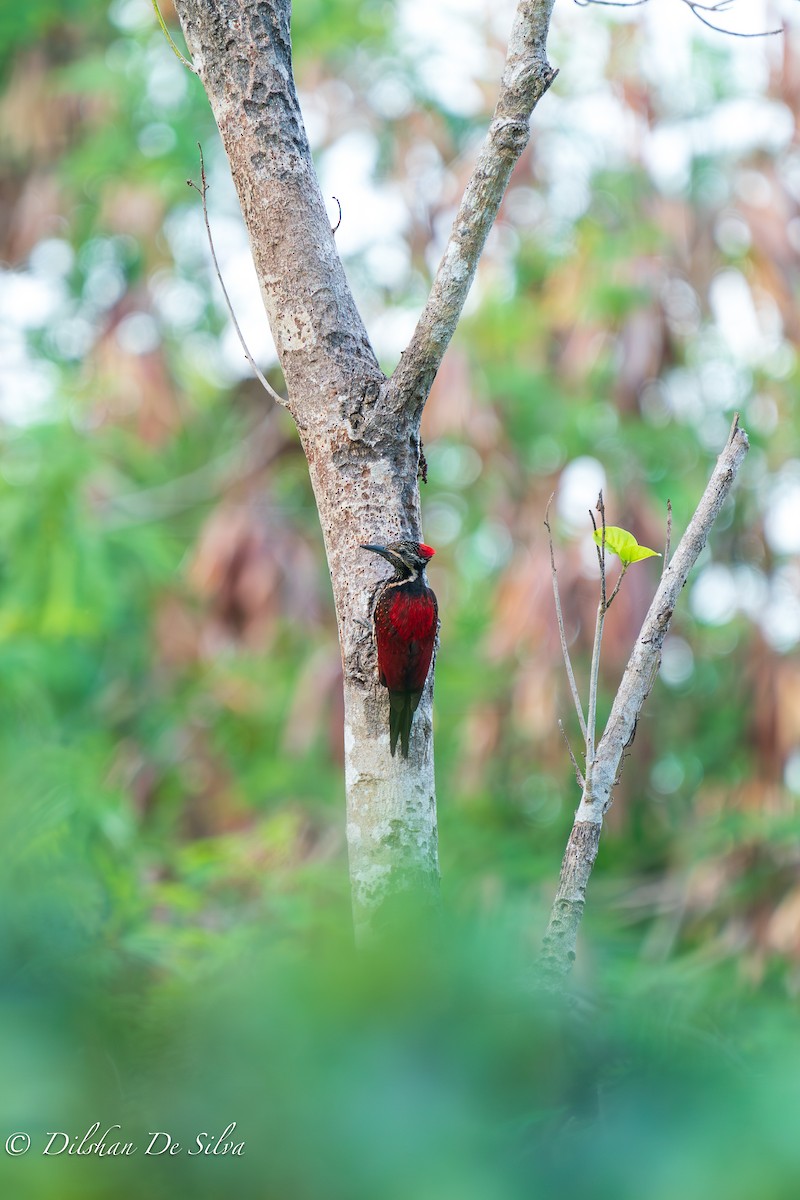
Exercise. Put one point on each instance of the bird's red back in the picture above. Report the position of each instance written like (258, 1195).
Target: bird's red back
(405, 630)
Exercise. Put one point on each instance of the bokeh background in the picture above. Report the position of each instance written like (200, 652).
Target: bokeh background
(174, 918)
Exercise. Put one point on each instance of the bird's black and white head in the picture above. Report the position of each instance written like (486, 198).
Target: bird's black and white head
(409, 559)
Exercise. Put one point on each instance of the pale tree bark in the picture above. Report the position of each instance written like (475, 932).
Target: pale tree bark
(360, 431)
(558, 952)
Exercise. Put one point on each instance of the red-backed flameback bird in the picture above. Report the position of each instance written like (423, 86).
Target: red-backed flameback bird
(405, 623)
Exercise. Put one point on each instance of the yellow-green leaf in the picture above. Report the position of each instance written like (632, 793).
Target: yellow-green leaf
(624, 544)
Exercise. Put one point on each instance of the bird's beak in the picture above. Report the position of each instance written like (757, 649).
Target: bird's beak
(377, 550)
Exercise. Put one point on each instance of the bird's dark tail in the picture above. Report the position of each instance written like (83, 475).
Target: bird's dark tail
(402, 706)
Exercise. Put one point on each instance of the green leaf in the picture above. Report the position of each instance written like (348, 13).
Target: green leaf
(624, 544)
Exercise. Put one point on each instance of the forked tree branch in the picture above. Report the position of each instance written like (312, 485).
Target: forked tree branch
(526, 77)
(558, 951)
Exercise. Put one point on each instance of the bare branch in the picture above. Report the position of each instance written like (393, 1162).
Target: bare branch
(558, 951)
(601, 508)
(696, 7)
(591, 720)
(526, 78)
(201, 190)
(594, 675)
(699, 9)
(560, 618)
(668, 541)
(617, 585)
(610, 3)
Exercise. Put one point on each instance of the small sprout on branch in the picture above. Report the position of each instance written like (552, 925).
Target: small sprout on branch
(624, 545)
(335, 227)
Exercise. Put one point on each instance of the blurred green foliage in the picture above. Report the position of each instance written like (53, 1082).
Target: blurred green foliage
(174, 918)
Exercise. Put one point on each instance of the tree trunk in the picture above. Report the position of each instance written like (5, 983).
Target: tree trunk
(359, 431)
(363, 453)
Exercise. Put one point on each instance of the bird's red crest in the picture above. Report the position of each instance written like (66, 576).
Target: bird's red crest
(426, 551)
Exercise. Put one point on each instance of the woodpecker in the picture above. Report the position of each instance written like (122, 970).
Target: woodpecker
(405, 622)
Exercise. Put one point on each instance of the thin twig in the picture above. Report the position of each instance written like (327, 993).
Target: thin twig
(668, 541)
(591, 721)
(699, 9)
(168, 36)
(695, 7)
(601, 545)
(617, 585)
(734, 427)
(201, 190)
(601, 508)
(560, 618)
(573, 760)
